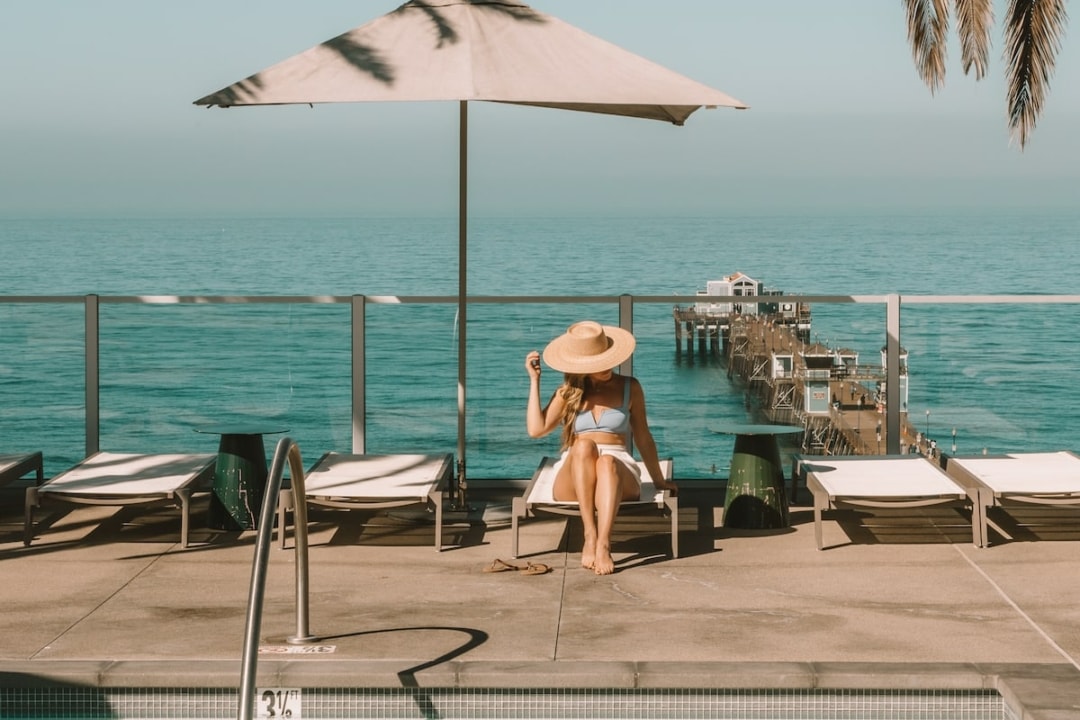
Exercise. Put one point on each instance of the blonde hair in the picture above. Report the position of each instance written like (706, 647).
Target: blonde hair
(572, 393)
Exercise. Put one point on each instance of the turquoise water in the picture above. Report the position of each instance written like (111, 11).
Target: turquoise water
(1005, 376)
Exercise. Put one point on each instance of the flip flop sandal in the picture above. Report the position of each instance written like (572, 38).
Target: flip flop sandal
(535, 569)
(498, 565)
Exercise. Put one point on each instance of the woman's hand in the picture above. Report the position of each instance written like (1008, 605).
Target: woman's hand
(539, 420)
(532, 365)
(672, 488)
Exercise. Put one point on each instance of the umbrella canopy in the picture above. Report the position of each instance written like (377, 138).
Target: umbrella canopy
(466, 50)
(476, 50)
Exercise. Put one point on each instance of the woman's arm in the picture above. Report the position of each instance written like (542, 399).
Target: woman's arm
(643, 439)
(539, 421)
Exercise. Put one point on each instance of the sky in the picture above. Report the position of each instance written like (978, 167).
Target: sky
(97, 119)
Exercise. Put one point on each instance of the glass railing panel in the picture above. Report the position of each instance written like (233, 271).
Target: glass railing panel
(1001, 375)
(856, 337)
(696, 392)
(411, 378)
(687, 394)
(500, 336)
(168, 369)
(42, 381)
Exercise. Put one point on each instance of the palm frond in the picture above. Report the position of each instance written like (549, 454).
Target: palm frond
(1033, 32)
(928, 24)
(974, 19)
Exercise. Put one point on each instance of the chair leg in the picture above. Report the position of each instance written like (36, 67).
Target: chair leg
(517, 511)
(980, 532)
(285, 501)
(32, 500)
(438, 497)
(819, 507)
(673, 508)
(184, 496)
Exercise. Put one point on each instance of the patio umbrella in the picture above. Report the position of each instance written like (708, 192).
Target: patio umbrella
(467, 50)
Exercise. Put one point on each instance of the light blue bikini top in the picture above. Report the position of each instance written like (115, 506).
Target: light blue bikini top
(612, 420)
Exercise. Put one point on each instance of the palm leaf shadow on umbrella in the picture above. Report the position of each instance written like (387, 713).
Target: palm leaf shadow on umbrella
(369, 60)
(498, 51)
(362, 57)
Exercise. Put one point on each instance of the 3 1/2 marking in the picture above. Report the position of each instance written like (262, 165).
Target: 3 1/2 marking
(278, 703)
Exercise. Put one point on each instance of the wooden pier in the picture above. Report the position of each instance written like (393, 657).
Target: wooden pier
(836, 398)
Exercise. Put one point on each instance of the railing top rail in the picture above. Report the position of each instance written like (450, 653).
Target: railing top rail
(30, 299)
(535, 299)
(988, 299)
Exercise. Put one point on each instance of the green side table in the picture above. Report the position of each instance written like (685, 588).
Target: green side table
(239, 476)
(755, 498)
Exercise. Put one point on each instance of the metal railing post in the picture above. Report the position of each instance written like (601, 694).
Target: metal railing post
(892, 375)
(626, 322)
(359, 374)
(92, 364)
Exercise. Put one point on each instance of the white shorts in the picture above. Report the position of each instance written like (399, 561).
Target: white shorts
(619, 452)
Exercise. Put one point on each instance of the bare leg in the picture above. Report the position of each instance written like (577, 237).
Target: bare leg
(577, 480)
(613, 483)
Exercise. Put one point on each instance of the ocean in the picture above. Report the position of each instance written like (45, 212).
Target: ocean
(1006, 376)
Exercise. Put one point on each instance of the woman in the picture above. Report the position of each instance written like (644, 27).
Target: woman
(600, 412)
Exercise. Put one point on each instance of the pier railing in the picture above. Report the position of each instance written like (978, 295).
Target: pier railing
(40, 401)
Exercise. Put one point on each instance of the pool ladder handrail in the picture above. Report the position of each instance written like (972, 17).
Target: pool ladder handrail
(286, 451)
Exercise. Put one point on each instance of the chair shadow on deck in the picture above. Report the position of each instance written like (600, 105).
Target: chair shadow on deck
(67, 526)
(1031, 523)
(914, 526)
(407, 527)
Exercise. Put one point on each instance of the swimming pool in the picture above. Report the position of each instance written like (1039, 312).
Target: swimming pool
(92, 703)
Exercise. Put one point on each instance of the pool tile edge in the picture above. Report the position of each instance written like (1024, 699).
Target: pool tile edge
(1035, 691)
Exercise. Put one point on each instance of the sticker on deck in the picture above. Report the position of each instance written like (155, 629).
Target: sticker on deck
(278, 703)
(296, 649)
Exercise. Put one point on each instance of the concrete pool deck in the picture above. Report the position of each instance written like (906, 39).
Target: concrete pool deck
(106, 597)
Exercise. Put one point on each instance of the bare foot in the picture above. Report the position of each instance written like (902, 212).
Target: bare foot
(588, 553)
(603, 564)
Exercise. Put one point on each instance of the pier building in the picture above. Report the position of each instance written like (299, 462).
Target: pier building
(705, 323)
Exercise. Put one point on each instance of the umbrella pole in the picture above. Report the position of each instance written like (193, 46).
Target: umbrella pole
(459, 499)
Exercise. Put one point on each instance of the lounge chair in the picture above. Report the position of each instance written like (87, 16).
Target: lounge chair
(1051, 478)
(107, 478)
(538, 498)
(893, 481)
(14, 467)
(374, 482)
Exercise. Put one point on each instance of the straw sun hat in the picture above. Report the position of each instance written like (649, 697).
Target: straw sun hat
(589, 347)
